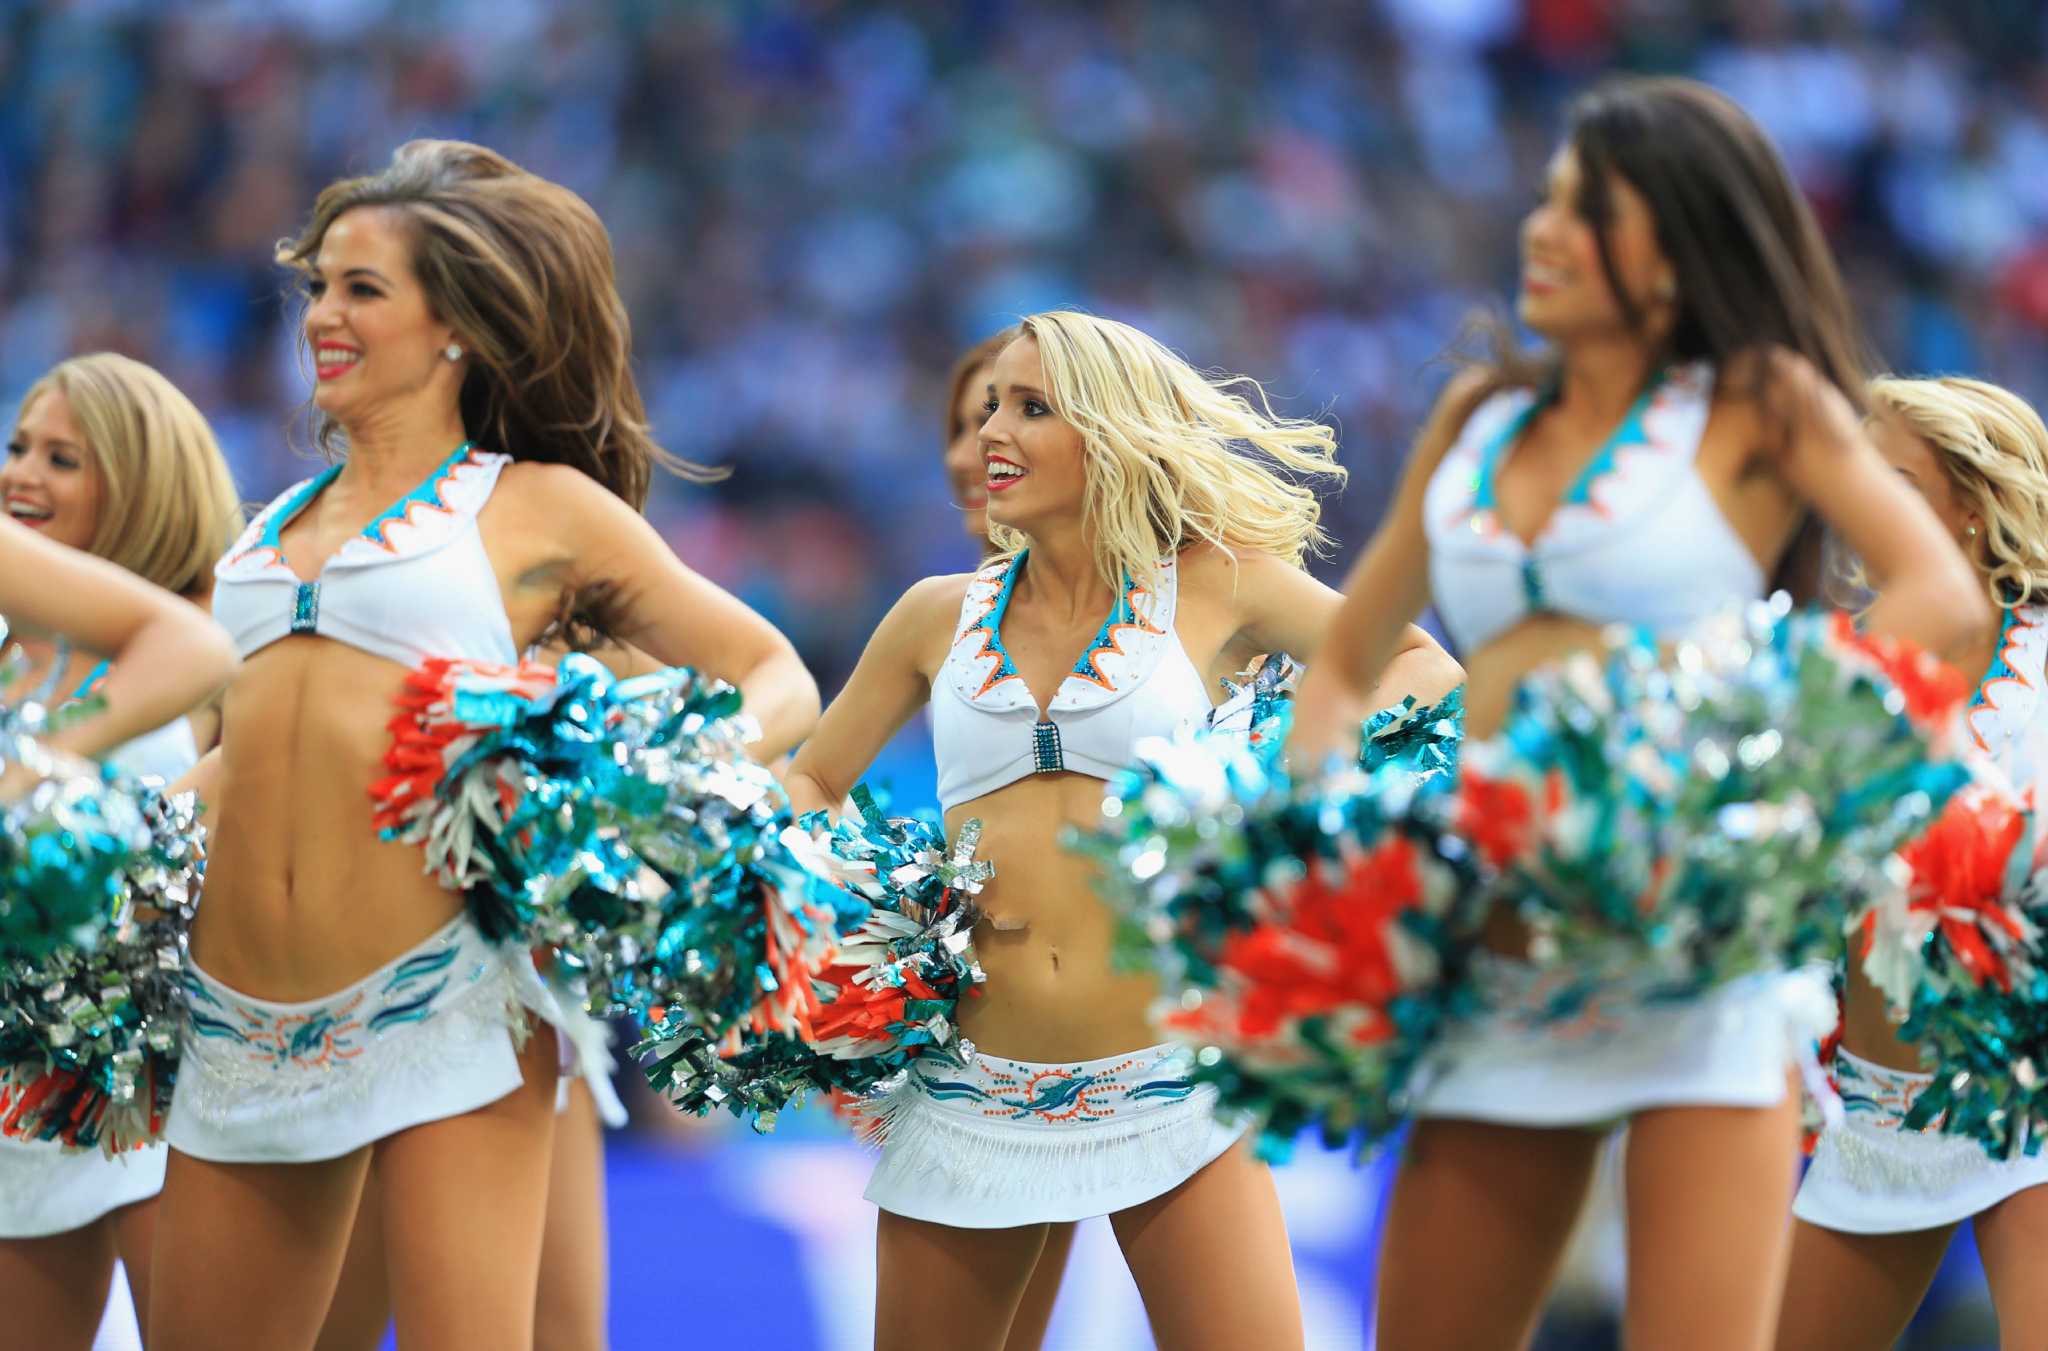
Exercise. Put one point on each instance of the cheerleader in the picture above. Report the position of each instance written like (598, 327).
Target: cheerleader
(1879, 1204)
(1654, 470)
(472, 372)
(109, 457)
(966, 476)
(966, 392)
(1142, 558)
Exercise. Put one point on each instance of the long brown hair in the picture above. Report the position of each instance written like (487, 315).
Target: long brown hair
(522, 269)
(1754, 275)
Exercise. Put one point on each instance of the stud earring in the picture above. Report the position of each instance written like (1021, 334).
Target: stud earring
(1667, 290)
(1970, 532)
(452, 352)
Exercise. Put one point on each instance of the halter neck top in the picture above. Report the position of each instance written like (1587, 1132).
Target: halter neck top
(414, 583)
(1637, 538)
(1135, 680)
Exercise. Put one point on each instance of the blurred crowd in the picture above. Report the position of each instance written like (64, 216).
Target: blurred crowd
(816, 204)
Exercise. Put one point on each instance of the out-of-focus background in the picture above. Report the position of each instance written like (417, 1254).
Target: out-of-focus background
(815, 205)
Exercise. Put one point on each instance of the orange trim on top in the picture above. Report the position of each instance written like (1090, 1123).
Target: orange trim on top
(1093, 675)
(2005, 654)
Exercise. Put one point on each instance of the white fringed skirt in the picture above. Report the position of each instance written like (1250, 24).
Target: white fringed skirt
(981, 1142)
(47, 1189)
(1870, 1175)
(431, 1034)
(1729, 1047)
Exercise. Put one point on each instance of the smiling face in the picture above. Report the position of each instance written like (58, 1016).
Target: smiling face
(1565, 292)
(965, 474)
(1919, 463)
(50, 481)
(375, 340)
(1036, 467)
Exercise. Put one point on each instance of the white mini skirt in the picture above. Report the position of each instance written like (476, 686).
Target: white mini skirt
(431, 1034)
(47, 1189)
(1872, 1176)
(981, 1142)
(1729, 1047)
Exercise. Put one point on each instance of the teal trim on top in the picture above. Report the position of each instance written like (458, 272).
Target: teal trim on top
(293, 505)
(1120, 613)
(1630, 433)
(1491, 453)
(427, 491)
(993, 621)
(2000, 669)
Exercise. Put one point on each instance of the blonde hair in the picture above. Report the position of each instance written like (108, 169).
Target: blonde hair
(1994, 449)
(1173, 457)
(168, 507)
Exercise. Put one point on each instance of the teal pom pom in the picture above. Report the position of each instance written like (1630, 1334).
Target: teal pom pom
(89, 1036)
(1668, 821)
(891, 993)
(620, 824)
(1309, 939)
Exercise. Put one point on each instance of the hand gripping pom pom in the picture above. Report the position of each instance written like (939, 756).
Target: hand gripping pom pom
(891, 993)
(619, 823)
(1666, 821)
(89, 1036)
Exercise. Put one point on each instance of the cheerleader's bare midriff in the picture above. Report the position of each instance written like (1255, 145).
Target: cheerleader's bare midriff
(302, 898)
(1052, 992)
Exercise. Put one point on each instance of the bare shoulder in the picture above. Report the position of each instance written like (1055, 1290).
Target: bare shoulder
(936, 597)
(920, 625)
(1776, 397)
(1463, 393)
(1455, 404)
(538, 484)
(1207, 566)
(1245, 583)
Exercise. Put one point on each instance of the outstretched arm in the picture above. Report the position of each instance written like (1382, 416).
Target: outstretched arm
(166, 654)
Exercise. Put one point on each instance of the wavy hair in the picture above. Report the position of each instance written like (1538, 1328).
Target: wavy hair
(1994, 449)
(1173, 457)
(1753, 271)
(168, 507)
(522, 269)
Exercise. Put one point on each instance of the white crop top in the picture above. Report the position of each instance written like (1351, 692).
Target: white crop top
(2007, 717)
(1135, 680)
(1637, 538)
(415, 583)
